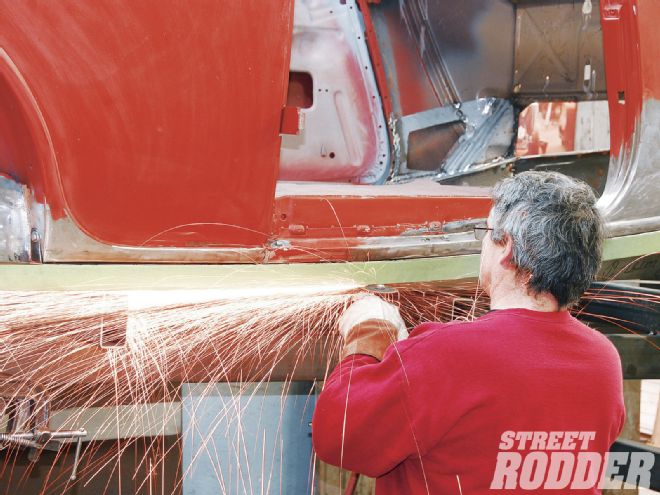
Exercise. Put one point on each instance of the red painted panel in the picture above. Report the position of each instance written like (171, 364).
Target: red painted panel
(649, 39)
(17, 151)
(26, 153)
(164, 115)
(376, 58)
(619, 20)
(357, 216)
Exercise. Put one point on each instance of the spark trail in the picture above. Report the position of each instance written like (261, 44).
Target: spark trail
(78, 351)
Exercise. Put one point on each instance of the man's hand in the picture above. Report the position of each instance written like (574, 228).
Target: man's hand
(371, 307)
(370, 325)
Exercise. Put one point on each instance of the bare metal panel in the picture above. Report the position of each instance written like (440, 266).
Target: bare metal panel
(15, 221)
(558, 51)
(488, 131)
(467, 46)
(630, 200)
(344, 132)
(430, 145)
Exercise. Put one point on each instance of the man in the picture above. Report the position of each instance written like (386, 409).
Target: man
(525, 398)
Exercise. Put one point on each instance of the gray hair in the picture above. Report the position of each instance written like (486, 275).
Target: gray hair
(555, 228)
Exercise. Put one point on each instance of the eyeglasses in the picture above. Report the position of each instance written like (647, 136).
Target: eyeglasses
(480, 231)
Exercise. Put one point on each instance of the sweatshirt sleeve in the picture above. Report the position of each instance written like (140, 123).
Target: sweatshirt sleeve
(361, 421)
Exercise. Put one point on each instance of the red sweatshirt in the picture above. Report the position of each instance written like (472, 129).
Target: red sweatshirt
(460, 407)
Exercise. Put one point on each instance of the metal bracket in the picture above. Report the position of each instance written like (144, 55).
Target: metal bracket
(38, 441)
(28, 415)
(36, 251)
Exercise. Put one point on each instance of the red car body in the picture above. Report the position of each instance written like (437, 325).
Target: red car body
(151, 132)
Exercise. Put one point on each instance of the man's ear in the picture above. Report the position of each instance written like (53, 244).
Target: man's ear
(506, 254)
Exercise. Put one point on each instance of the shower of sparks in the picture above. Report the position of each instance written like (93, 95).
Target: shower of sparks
(80, 351)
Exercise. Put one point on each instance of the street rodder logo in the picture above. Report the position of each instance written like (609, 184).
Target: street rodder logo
(555, 460)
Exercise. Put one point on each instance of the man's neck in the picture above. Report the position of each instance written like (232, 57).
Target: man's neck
(519, 298)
